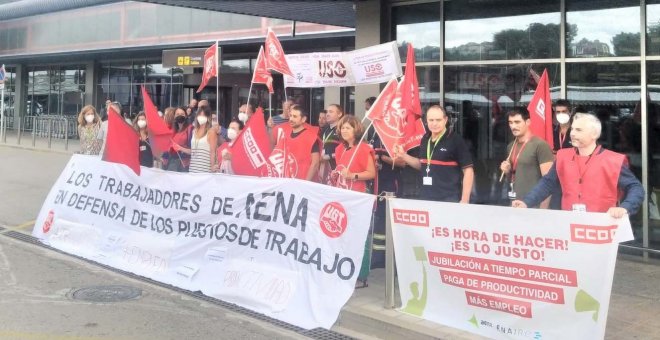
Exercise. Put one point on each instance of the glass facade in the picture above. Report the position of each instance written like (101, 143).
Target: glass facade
(481, 59)
(55, 90)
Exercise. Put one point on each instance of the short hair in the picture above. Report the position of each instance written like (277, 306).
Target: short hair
(355, 123)
(592, 121)
(370, 100)
(519, 110)
(437, 107)
(563, 102)
(240, 123)
(117, 106)
(339, 108)
(299, 108)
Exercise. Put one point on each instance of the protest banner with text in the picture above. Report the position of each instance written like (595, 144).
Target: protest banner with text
(286, 248)
(506, 273)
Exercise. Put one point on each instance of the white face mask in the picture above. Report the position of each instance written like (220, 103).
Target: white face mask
(142, 124)
(202, 120)
(232, 134)
(243, 117)
(89, 118)
(128, 120)
(160, 114)
(563, 118)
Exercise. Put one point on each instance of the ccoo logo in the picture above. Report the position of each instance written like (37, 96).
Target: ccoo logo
(415, 218)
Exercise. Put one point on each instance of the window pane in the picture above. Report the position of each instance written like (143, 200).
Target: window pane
(594, 29)
(235, 66)
(419, 25)
(477, 99)
(653, 28)
(653, 120)
(516, 29)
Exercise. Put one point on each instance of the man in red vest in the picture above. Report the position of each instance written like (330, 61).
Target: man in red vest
(590, 176)
(296, 153)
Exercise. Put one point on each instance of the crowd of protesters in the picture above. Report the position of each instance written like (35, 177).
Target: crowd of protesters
(340, 152)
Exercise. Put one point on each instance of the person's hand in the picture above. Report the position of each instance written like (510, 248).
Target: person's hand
(226, 155)
(464, 202)
(215, 168)
(344, 173)
(617, 212)
(326, 157)
(518, 204)
(176, 147)
(270, 123)
(505, 167)
(398, 151)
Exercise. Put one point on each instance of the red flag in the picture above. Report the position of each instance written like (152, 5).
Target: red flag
(275, 59)
(540, 110)
(251, 149)
(122, 144)
(410, 86)
(261, 74)
(392, 122)
(160, 135)
(210, 66)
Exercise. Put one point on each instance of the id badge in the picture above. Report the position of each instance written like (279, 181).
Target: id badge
(579, 207)
(427, 180)
(511, 193)
(143, 148)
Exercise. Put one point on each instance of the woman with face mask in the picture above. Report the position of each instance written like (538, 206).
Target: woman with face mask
(222, 153)
(146, 154)
(89, 126)
(204, 139)
(178, 160)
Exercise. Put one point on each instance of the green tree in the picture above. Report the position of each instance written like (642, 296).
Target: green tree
(626, 44)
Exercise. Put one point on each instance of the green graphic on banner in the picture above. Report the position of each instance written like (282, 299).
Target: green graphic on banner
(586, 303)
(474, 321)
(416, 304)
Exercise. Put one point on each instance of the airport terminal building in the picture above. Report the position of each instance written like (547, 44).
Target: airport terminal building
(477, 58)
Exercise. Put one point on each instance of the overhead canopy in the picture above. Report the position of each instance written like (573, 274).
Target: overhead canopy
(336, 13)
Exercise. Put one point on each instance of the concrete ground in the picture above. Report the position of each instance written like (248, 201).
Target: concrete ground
(37, 304)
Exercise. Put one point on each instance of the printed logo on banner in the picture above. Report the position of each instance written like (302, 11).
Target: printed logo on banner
(592, 234)
(276, 168)
(374, 70)
(332, 69)
(333, 219)
(48, 222)
(415, 218)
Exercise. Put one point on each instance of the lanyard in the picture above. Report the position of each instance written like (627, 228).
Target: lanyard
(586, 164)
(562, 138)
(429, 151)
(514, 159)
(331, 132)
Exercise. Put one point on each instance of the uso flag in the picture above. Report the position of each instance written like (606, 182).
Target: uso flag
(210, 66)
(540, 110)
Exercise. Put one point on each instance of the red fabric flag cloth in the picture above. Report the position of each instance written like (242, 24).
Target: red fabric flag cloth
(122, 144)
(540, 110)
(251, 149)
(410, 86)
(160, 135)
(275, 59)
(261, 74)
(210, 66)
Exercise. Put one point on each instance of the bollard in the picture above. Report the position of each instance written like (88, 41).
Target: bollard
(66, 134)
(50, 132)
(389, 254)
(20, 126)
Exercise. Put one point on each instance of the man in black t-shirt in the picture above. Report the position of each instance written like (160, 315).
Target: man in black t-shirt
(444, 161)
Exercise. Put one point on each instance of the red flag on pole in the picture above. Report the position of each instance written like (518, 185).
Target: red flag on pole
(410, 86)
(540, 110)
(261, 74)
(251, 149)
(160, 135)
(122, 143)
(210, 66)
(275, 59)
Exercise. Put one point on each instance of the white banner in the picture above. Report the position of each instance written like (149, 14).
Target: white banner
(371, 65)
(506, 273)
(286, 248)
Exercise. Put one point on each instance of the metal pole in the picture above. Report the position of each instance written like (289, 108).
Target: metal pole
(20, 128)
(217, 79)
(644, 102)
(50, 132)
(34, 131)
(66, 134)
(3, 124)
(389, 254)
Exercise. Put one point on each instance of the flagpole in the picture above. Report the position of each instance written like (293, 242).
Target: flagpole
(515, 141)
(249, 93)
(3, 123)
(217, 81)
(270, 106)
